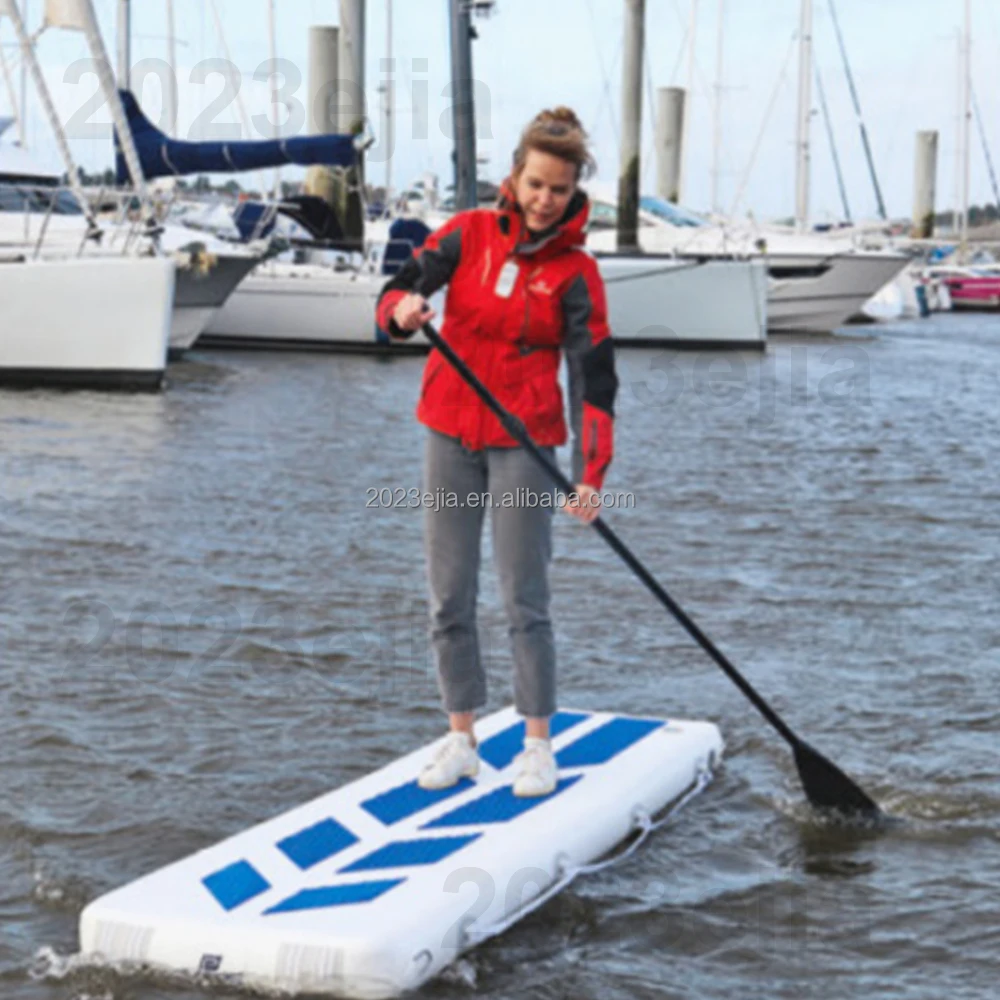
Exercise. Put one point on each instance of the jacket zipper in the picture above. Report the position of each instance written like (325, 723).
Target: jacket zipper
(526, 322)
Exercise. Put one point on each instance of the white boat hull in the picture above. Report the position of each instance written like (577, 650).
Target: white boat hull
(651, 300)
(298, 306)
(201, 286)
(685, 303)
(186, 325)
(108, 326)
(201, 292)
(817, 283)
(841, 285)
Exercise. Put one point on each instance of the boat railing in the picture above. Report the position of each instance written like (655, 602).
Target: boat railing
(125, 225)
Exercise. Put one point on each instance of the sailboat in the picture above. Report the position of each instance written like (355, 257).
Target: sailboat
(974, 286)
(653, 299)
(207, 270)
(108, 326)
(816, 281)
(317, 296)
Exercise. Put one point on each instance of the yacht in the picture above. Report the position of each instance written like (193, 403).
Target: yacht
(816, 282)
(327, 304)
(39, 218)
(93, 321)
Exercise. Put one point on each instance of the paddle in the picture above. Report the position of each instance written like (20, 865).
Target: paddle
(825, 785)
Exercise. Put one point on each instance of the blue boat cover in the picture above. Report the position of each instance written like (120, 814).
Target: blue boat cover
(247, 217)
(161, 156)
(405, 236)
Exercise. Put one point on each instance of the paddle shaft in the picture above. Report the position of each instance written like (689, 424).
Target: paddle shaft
(519, 432)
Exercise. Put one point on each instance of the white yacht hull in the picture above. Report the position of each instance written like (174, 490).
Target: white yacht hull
(202, 285)
(86, 323)
(823, 293)
(651, 300)
(202, 292)
(298, 307)
(187, 323)
(677, 302)
(816, 283)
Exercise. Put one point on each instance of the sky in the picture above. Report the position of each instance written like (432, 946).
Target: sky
(538, 53)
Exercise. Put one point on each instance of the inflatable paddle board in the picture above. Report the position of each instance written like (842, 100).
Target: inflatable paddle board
(373, 888)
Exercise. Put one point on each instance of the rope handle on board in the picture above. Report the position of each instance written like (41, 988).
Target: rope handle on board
(643, 824)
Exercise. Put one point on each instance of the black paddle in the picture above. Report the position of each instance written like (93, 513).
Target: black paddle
(825, 785)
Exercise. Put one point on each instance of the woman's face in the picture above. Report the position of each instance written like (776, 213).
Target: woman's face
(544, 188)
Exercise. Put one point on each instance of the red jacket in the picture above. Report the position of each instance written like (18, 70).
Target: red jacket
(514, 302)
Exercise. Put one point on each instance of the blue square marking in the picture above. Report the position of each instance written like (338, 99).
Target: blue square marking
(316, 843)
(401, 853)
(607, 741)
(498, 806)
(233, 885)
(501, 748)
(405, 800)
(326, 896)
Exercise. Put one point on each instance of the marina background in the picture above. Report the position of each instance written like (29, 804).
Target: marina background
(904, 55)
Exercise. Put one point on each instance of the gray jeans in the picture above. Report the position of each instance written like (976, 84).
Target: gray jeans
(522, 546)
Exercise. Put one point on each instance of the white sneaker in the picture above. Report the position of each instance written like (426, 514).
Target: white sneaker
(538, 774)
(456, 758)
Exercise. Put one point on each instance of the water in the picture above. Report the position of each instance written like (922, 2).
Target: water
(204, 625)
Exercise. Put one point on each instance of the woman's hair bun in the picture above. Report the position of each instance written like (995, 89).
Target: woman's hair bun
(562, 114)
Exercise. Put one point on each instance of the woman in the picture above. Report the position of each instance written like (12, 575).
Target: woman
(521, 291)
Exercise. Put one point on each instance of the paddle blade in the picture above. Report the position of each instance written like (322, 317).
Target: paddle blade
(827, 787)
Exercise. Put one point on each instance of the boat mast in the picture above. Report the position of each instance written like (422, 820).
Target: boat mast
(273, 43)
(965, 127)
(388, 109)
(245, 122)
(717, 109)
(857, 110)
(692, 33)
(15, 102)
(956, 173)
(29, 62)
(805, 114)
(171, 96)
(23, 125)
(986, 147)
(833, 145)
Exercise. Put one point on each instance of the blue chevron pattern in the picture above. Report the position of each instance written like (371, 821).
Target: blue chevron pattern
(240, 882)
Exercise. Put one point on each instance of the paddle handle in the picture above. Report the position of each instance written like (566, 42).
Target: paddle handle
(515, 427)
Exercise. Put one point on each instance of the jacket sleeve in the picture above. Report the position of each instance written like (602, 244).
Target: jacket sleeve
(593, 383)
(429, 268)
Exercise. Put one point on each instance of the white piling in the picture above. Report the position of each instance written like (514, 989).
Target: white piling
(323, 96)
(924, 185)
(669, 141)
(628, 175)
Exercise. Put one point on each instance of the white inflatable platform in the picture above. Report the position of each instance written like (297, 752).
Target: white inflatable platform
(372, 889)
